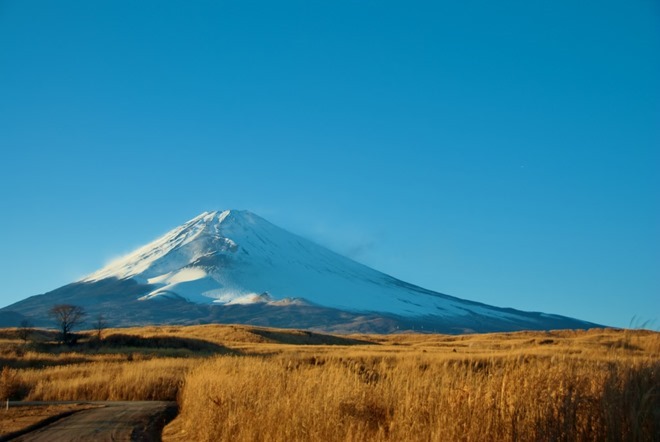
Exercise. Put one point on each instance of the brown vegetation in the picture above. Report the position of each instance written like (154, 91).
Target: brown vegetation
(247, 383)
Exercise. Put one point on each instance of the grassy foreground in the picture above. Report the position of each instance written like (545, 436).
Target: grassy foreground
(247, 383)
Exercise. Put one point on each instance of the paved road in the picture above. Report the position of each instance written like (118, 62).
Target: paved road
(114, 421)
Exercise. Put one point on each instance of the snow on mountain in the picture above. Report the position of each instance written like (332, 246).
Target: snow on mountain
(236, 257)
(235, 267)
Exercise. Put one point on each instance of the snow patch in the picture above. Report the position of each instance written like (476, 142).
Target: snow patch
(252, 298)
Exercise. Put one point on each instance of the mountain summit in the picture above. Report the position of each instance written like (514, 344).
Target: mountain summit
(234, 266)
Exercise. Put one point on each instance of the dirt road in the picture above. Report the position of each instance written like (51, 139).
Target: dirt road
(114, 421)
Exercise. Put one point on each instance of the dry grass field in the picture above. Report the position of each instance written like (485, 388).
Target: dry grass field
(250, 383)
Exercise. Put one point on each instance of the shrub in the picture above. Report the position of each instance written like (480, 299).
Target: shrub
(11, 386)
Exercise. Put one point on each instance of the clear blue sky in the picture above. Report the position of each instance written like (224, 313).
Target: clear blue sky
(503, 152)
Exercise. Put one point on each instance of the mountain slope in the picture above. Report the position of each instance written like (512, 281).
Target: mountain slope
(234, 266)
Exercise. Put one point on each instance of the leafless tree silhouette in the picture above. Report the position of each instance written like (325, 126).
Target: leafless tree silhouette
(67, 317)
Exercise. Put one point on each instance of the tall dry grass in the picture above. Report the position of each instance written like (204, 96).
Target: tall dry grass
(121, 367)
(290, 385)
(421, 398)
(154, 379)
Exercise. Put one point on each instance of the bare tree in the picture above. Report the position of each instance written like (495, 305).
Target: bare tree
(67, 317)
(25, 330)
(100, 324)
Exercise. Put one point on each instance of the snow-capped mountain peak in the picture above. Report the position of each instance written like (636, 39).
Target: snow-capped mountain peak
(157, 256)
(235, 264)
(230, 257)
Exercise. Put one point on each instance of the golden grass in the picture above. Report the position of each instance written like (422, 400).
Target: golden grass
(154, 379)
(250, 383)
(421, 397)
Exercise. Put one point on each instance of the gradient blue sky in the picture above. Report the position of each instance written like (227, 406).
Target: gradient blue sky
(503, 152)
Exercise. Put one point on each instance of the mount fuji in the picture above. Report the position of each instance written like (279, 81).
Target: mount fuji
(236, 267)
